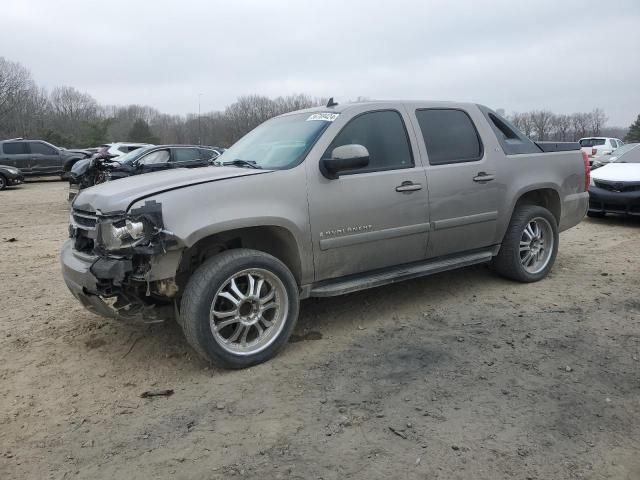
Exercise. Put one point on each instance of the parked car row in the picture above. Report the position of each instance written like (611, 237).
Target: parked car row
(85, 167)
(89, 172)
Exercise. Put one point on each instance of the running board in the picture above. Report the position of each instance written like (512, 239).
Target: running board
(353, 283)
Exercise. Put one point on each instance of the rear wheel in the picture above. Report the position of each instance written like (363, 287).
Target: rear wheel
(3, 182)
(530, 246)
(239, 308)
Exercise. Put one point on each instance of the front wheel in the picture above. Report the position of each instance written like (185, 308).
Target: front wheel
(3, 182)
(239, 308)
(530, 246)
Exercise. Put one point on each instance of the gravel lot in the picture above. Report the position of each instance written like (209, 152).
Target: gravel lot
(460, 375)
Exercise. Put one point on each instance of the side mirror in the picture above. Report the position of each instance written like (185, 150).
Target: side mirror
(345, 157)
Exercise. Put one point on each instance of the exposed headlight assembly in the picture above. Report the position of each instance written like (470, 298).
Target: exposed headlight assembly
(141, 227)
(131, 229)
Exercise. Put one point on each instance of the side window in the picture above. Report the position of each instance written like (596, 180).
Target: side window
(14, 148)
(383, 134)
(450, 136)
(42, 148)
(207, 154)
(155, 158)
(186, 155)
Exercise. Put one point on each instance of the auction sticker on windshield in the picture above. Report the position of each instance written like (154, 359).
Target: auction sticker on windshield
(325, 117)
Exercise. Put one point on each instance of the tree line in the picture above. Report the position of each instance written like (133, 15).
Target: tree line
(543, 125)
(67, 117)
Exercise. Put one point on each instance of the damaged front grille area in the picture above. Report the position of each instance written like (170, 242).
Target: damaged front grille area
(87, 220)
(83, 230)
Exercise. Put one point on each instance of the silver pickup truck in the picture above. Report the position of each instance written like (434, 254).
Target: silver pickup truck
(317, 203)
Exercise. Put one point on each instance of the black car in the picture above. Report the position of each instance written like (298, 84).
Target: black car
(36, 157)
(86, 173)
(615, 187)
(10, 176)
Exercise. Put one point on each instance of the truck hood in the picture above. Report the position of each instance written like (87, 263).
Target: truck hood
(117, 195)
(618, 172)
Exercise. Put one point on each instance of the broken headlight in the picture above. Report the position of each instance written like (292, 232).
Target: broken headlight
(117, 234)
(142, 226)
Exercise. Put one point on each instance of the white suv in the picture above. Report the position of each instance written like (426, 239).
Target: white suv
(599, 146)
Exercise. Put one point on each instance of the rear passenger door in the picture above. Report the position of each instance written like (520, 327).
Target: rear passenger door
(187, 158)
(17, 155)
(45, 159)
(464, 190)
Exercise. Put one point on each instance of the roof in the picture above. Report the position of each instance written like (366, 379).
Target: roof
(373, 104)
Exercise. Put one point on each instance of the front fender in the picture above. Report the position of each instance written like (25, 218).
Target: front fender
(278, 199)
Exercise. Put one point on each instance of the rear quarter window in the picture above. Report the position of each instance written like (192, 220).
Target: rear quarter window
(14, 148)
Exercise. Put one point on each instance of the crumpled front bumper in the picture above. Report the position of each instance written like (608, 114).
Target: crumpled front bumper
(76, 271)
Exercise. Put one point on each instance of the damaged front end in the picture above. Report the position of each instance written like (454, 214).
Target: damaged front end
(122, 264)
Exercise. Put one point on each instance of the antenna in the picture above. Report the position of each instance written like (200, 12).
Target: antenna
(331, 103)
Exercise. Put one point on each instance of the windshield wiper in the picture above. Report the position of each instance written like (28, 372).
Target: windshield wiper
(242, 163)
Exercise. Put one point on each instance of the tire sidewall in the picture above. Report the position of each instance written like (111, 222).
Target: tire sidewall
(3, 182)
(208, 279)
(530, 212)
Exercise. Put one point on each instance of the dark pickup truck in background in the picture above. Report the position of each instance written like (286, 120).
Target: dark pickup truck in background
(37, 157)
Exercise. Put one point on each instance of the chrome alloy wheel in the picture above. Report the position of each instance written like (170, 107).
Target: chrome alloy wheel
(249, 311)
(536, 245)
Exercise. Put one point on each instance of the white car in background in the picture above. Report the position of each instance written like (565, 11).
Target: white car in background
(599, 146)
(118, 149)
(615, 187)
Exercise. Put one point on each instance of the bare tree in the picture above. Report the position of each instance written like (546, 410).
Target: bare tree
(541, 123)
(561, 127)
(598, 121)
(15, 84)
(580, 123)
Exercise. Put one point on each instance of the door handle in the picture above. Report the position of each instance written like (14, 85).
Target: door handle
(483, 177)
(408, 187)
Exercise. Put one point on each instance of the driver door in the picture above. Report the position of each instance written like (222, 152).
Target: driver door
(372, 217)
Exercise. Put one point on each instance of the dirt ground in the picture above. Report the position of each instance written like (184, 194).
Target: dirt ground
(460, 375)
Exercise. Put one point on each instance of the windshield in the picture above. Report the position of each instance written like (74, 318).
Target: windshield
(279, 143)
(132, 155)
(591, 142)
(629, 153)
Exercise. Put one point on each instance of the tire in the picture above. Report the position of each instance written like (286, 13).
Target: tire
(512, 257)
(595, 214)
(3, 182)
(207, 303)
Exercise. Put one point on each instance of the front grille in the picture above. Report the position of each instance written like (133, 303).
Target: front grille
(618, 186)
(87, 220)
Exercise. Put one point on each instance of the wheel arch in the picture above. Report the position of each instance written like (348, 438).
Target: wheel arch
(275, 240)
(544, 196)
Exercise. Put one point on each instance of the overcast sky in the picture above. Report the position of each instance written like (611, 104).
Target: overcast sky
(560, 55)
